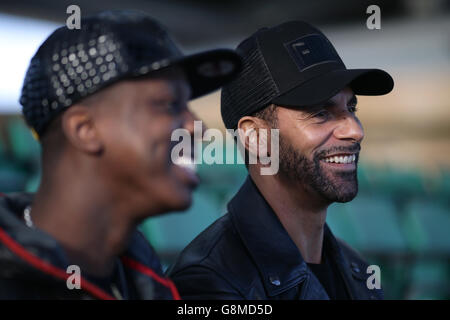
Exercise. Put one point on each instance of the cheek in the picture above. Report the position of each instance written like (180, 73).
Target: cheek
(158, 131)
(313, 139)
(159, 147)
(125, 147)
(154, 136)
(306, 138)
(137, 142)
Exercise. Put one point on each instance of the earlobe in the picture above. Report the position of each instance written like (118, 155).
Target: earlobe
(79, 128)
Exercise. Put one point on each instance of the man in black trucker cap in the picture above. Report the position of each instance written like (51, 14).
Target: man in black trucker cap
(274, 243)
(103, 101)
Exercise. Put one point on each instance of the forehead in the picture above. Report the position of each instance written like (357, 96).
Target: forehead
(173, 79)
(170, 84)
(347, 93)
(344, 97)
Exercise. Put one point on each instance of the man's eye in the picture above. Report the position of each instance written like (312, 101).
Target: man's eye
(177, 107)
(352, 109)
(167, 106)
(160, 103)
(321, 114)
(171, 107)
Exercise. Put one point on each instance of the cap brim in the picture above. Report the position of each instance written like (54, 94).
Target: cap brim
(369, 82)
(206, 71)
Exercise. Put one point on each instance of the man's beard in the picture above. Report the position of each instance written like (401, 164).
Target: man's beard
(338, 186)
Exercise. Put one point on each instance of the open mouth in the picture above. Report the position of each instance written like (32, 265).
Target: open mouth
(187, 166)
(341, 158)
(185, 162)
(345, 161)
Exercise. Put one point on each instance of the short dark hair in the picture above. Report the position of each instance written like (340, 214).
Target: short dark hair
(268, 114)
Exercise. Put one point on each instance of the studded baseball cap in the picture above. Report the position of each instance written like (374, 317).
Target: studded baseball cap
(111, 46)
(294, 65)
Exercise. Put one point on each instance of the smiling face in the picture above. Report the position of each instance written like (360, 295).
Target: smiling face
(319, 147)
(135, 120)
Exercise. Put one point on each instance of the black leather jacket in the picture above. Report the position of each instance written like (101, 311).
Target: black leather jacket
(33, 265)
(247, 254)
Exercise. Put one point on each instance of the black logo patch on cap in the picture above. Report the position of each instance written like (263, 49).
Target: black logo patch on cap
(311, 50)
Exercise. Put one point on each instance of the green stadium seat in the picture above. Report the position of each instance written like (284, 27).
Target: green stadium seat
(376, 227)
(429, 280)
(428, 226)
(343, 225)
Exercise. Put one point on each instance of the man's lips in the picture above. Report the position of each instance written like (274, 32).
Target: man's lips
(346, 161)
(188, 166)
(341, 158)
(186, 162)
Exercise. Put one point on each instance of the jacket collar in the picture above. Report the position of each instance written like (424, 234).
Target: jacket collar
(40, 253)
(32, 239)
(275, 254)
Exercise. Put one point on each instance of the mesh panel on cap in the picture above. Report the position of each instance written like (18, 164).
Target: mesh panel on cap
(252, 90)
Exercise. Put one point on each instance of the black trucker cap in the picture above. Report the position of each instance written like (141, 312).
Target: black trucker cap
(111, 46)
(294, 65)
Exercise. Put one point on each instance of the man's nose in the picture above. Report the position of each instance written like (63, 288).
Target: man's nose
(349, 128)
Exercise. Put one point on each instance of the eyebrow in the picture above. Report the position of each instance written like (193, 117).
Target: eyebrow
(351, 102)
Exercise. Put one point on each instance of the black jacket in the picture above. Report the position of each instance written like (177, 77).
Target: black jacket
(247, 254)
(33, 265)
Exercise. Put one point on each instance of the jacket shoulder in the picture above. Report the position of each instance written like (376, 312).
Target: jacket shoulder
(215, 265)
(359, 270)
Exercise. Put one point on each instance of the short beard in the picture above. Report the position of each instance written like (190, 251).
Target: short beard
(341, 187)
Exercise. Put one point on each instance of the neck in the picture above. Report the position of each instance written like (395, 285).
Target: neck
(92, 226)
(302, 213)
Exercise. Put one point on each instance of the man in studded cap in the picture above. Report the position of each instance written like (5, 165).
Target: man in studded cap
(103, 102)
(274, 243)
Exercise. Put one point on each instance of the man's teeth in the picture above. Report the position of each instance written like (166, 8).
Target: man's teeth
(341, 159)
(186, 162)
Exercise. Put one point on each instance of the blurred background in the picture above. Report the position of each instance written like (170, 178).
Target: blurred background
(401, 218)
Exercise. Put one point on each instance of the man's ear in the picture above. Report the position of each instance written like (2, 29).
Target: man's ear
(78, 126)
(248, 131)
